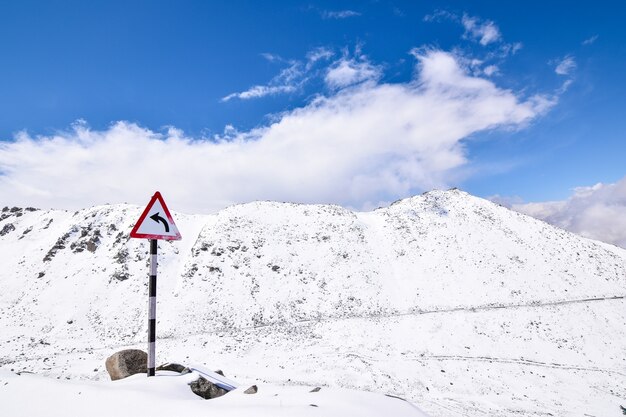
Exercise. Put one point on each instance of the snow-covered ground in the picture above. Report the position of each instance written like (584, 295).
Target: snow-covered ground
(167, 394)
(452, 302)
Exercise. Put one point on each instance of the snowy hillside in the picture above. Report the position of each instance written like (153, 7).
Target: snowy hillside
(167, 394)
(457, 304)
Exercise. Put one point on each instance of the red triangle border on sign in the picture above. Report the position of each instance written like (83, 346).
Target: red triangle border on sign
(155, 197)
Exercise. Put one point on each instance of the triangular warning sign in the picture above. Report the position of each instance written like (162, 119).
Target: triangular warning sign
(156, 222)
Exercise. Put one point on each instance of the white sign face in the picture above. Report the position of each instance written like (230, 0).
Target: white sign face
(156, 222)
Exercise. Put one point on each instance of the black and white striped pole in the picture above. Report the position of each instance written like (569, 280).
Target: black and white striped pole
(155, 223)
(152, 289)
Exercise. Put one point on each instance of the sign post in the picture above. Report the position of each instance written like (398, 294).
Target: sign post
(152, 307)
(155, 223)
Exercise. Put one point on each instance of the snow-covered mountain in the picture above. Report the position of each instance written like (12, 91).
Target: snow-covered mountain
(451, 301)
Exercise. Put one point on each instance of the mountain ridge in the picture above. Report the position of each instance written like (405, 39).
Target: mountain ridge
(353, 293)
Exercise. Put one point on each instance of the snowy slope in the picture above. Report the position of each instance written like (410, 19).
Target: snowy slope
(458, 304)
(167, 394)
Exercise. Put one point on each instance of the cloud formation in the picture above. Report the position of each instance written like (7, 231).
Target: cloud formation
(491, 70)
(438, 15)
(258, 91)
(590, 41)
(289, 80)
(484, 31)
(596, 212)
(349, 71)
(565, 66)
(339, 14)
(359, 146)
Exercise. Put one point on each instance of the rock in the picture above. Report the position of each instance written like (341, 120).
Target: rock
(316, 389)
(91, 246)
(206, 389)
(175, 367)
(252, 390)
(7, 229)
(120, 275)
(126, 363)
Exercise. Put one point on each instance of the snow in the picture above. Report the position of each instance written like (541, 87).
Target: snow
(214, 377)
(459, 305)
(167, 394)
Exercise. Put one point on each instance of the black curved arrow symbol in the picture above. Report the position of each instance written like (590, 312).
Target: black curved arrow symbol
(158, 218)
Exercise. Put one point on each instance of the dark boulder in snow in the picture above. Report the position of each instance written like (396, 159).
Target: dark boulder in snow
(252, 390)
(126, 363)
(206, 389)
(174, 367)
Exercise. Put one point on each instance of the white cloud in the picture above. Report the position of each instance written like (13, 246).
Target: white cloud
(339, 14)
(507, 49)
(372, 142)
(485, 31)
(289, 79)
(272, 57)
(595, 212)
(565, 66)
(348, 71)
(565, 86)
(590, 40)
(439, 15)
(258, 91)
(491, 70)
(318, 54)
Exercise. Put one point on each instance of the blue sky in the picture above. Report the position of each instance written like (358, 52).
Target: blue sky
(175, 71)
